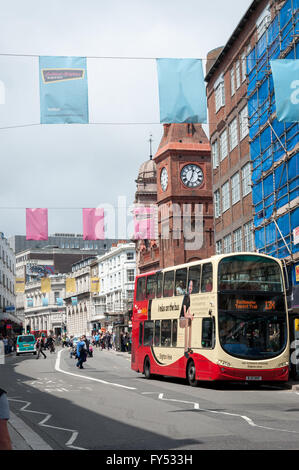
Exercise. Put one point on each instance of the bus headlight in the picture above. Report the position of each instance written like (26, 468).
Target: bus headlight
(283, 364)
(223, 363)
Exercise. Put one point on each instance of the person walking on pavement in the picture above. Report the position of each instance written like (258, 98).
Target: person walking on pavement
(50, 344)
(39, 347)
(81, 352)
(5, 442)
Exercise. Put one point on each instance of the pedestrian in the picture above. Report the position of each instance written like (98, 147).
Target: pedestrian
(39, 347)
(50, 344)
(5, 442)
(97, 339)
(81, 353)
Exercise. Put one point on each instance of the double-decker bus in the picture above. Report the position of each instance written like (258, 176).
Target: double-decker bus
(223, 318)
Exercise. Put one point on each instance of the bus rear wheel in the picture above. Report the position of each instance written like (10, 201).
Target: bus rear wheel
(147, 368)
(191, 374)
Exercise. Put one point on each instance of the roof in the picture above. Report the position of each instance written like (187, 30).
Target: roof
(233, 37)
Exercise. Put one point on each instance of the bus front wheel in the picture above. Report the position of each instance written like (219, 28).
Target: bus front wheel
(191, 374)
(147, 368)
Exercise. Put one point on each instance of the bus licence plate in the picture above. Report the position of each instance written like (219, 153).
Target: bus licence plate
(252, 377)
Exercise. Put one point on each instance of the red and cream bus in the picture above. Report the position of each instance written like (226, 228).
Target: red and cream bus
(223, 318)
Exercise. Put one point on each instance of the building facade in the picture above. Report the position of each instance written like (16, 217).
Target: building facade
(79, 304)
(9, 322)
(274, 146)
(184, 185)
(113, 304)
(147, 251)
(64, 241)
(45, 311)
(226, 79)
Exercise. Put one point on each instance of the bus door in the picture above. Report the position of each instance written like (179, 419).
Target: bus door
(294, 345)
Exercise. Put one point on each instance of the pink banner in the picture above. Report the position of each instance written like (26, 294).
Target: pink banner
(36, 224)
(93, 224)
(144, 223)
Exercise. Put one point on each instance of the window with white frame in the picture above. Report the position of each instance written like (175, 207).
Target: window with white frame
(232, 82)
(218, 247)
(248, 237)
(130, 275)
(235, 182)
(215, 154)
(238, 240)
(243, 66)
(227, 244)
(263, 22)
(233, 134)
(238, 75)
(219, 93)
(217, 203)
(225, 196)
(223, 145)
(243, 118)
(246, 179)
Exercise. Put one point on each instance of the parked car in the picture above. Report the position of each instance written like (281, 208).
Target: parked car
(25, 344)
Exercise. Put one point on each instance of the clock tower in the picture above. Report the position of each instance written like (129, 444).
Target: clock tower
(184, 195)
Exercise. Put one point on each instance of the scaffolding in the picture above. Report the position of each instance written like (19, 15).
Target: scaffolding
(274, 146)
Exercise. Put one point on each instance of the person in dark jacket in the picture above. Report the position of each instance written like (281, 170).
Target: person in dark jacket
(81, 352)
(39, 347)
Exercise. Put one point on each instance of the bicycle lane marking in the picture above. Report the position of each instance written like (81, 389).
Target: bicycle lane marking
(86, 377)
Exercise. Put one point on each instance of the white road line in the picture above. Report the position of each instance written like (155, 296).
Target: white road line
(43, 423)
(245, 418)
(58, 368)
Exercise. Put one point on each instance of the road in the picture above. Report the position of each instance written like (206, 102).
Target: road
(108, 406)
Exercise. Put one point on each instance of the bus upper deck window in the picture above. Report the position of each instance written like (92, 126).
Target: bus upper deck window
(194, 276)
(180, 281)
(207, 278)
(151, 287)
(159, 285)
(168, 284)
(141, 283)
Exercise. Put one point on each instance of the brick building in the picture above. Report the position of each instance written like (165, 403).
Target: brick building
(226, 78)
(184, 178)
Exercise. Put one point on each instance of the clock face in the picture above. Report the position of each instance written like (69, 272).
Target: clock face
(192, 175)
(164, 179)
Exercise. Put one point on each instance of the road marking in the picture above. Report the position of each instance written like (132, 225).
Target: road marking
(245, 418)
(58, 368)
(43, 423)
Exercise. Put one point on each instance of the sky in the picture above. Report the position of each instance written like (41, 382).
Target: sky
(68, 167)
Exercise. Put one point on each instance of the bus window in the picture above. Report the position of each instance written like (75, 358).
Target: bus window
(151, 287)
(194, 276)
(207, 278)
(168, 284)
(140, 333)
(207, 334)
(157, 333)
(140, 295)
(148, 333)
(159, 285)
(174, 332)
(166, 333)
(180, 281)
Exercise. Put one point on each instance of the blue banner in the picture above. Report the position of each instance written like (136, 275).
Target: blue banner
(63, 90)
(74, 301)
(286, 87)
(45, 301)
(59, 302)
(182, 91)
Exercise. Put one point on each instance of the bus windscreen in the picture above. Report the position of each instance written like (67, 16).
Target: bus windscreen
(249, 273)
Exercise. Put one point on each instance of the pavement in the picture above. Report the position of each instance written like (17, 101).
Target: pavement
(24, 438)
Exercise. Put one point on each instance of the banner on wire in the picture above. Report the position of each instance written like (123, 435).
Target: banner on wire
(93, 224)
(36, 224)
(63, 90)
(182, 91)
(286, 87)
